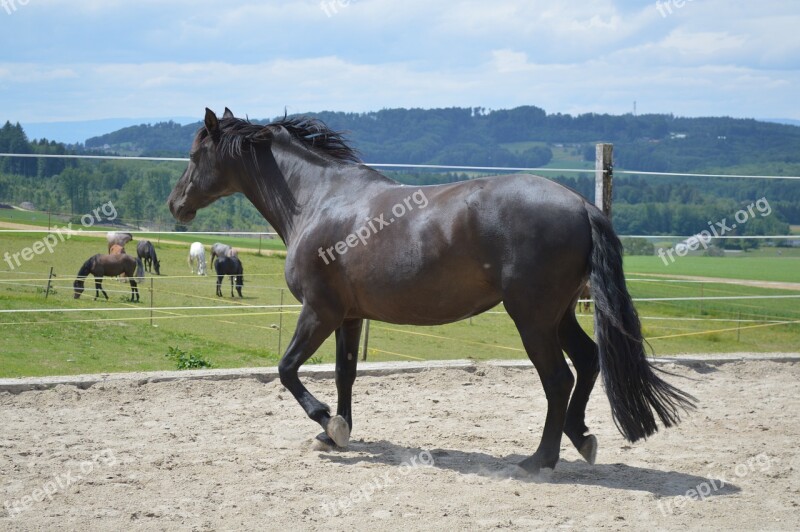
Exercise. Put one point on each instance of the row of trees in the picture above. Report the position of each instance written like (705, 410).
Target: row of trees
(652, 205)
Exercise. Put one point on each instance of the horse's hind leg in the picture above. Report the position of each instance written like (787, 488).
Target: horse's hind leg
(134, 290)
(583, 353)
(98, 287)
(348, 337)
(540, 339)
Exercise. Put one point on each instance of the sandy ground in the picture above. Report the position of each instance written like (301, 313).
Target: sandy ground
(433, 451)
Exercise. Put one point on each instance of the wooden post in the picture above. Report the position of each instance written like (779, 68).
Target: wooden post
(280, 322)
(49, 277)
(366, 340)
(603, 177)
(151, 301)
(738, 325)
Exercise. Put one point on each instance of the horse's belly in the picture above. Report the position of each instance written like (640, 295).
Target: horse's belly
(449, 297)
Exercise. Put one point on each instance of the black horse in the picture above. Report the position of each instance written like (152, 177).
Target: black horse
(147, 252)
(109, 266)
(229, 266)
(359, 246)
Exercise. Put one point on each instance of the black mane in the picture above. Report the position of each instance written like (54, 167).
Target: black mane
(237, 133)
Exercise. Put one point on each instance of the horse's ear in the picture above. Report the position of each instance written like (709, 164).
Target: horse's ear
(227, 114)
(212, 124)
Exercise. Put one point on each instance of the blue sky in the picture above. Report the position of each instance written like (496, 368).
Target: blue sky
(96, 59)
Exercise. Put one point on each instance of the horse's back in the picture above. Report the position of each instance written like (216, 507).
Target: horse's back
(197, 250)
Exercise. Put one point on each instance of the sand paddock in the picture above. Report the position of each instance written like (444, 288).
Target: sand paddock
(431, 450)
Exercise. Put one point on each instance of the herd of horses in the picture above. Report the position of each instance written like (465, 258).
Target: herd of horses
(117, 263)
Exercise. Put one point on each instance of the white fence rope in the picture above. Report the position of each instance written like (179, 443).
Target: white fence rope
(224, 307)
(418, 166)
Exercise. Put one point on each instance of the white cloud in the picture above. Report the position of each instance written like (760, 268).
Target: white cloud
(97, 59)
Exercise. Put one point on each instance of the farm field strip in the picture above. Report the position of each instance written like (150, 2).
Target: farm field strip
(253, 331)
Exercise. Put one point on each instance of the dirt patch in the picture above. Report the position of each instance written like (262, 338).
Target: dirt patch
(432, 450)
(778, 285)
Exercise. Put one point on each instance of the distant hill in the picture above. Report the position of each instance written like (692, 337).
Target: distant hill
(76, 132)
(524, 136)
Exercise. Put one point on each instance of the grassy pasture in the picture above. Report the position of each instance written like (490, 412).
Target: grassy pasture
(87, 338)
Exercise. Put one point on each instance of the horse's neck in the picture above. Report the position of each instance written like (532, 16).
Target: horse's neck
(313, 181)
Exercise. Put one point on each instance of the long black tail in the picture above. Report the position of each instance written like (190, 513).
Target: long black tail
(139, 275)
(633, 388)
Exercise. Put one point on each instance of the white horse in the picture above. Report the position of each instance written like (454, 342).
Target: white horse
(197, 253)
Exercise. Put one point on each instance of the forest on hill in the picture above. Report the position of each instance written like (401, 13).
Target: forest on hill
(521, 137)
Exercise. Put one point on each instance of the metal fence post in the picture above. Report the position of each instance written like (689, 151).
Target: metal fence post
(366, 340)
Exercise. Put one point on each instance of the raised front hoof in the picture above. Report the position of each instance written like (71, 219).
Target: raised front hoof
(536, 465)
(589, 449)
(339, 431)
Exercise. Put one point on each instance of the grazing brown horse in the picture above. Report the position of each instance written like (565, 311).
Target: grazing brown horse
(109, 266)
(219, 250)
(112, 237)
(360, 245)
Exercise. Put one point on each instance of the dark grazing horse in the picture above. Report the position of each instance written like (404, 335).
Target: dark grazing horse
(109, 266)
(360, 245)
(147, 252)
(231, 266)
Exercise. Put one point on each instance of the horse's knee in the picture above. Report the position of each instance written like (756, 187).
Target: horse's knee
(287, 371)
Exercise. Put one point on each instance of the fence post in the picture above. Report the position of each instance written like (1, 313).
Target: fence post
(151, 301)
(603, 177)
(49, 277)
(280, 322)
(366, 340)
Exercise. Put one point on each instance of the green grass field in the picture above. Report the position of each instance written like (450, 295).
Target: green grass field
(86, 337)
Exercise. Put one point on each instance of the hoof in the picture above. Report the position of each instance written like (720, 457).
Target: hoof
(339, 431)
(589, 449)
(534, 466)
(323, 443)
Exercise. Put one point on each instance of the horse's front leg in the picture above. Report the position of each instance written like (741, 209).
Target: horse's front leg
(348, 337)
(312, 329)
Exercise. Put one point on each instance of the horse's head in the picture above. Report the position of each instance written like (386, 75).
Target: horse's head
(209, 175)
(157, 266)
(78, 286)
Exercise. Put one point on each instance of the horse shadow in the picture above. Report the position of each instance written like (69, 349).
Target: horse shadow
(612, 475)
